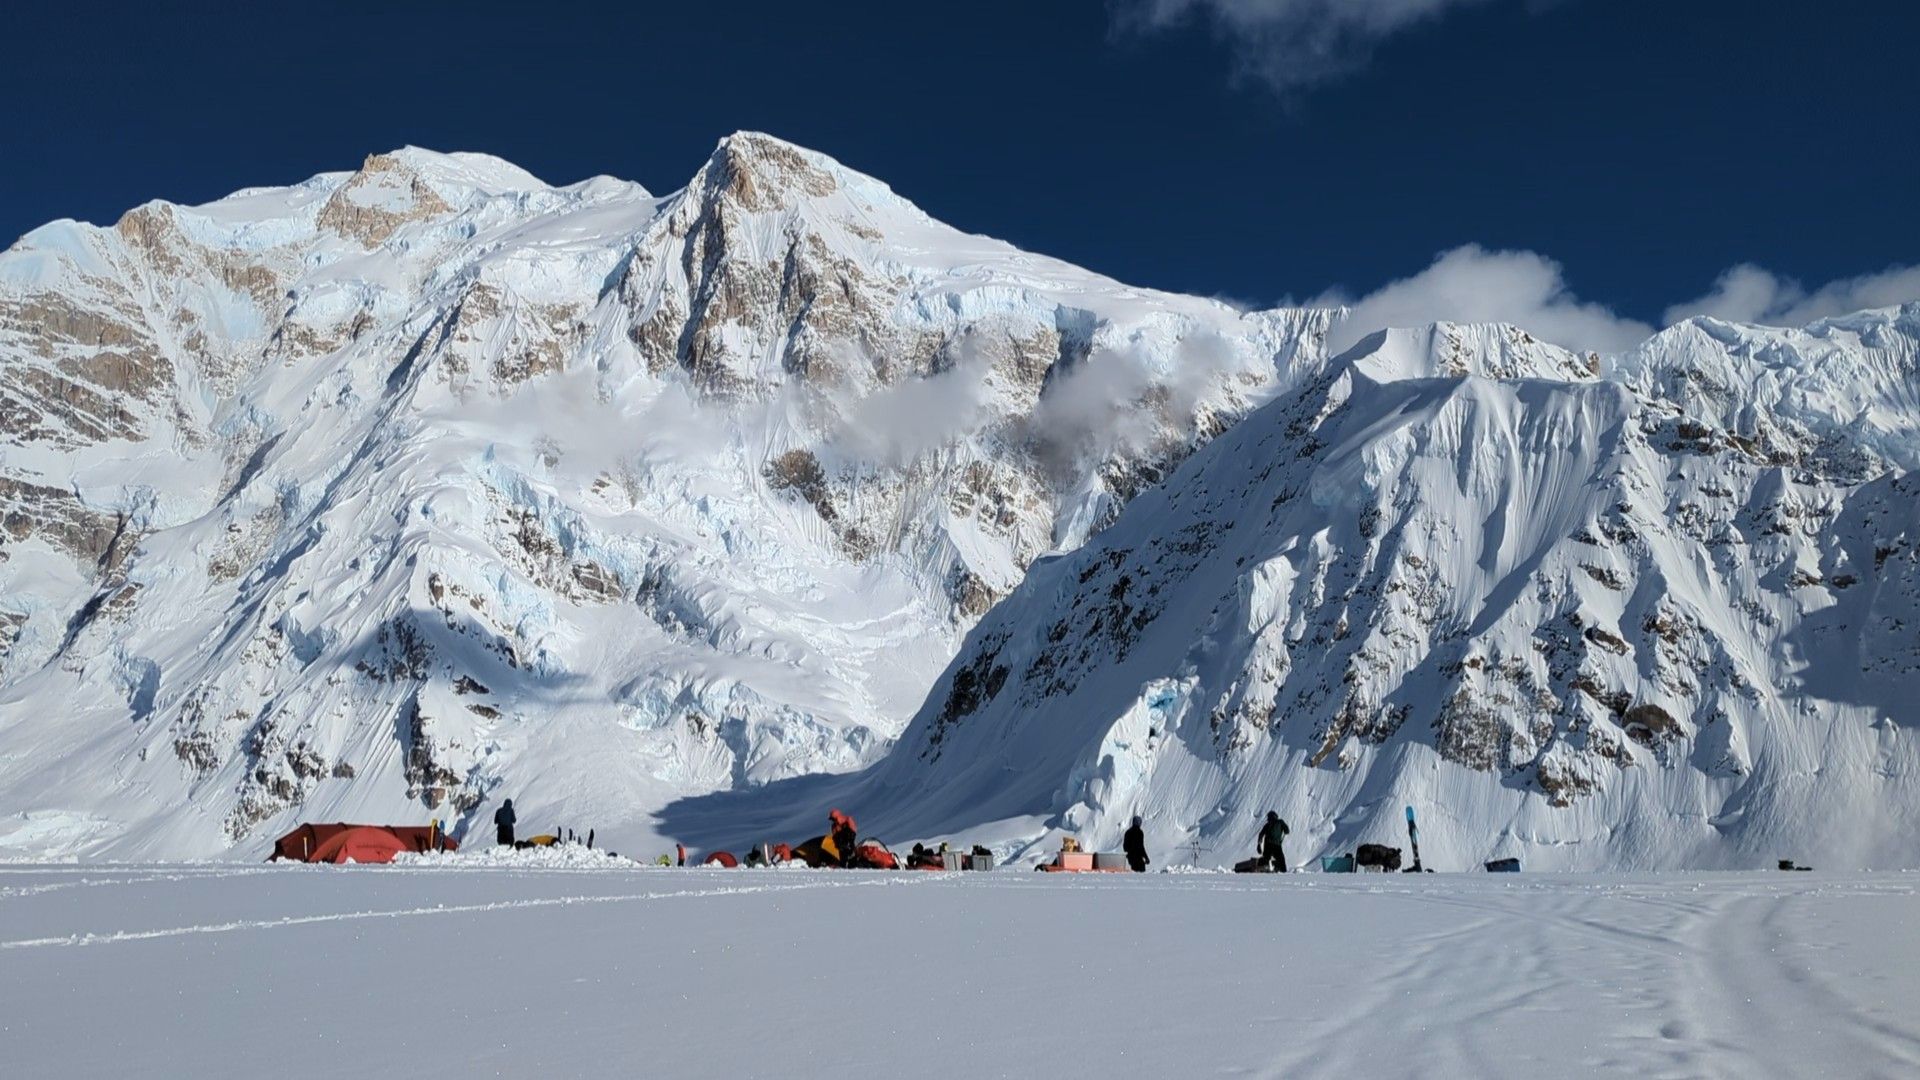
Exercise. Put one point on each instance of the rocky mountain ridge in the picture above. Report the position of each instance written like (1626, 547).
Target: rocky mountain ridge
(387, 491)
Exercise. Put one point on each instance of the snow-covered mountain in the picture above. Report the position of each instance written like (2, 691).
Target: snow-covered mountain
(397, 491)
(1657, 611)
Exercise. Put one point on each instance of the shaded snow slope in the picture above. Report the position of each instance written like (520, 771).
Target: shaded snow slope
(708, 973)
(396, 491)
(1591, 618)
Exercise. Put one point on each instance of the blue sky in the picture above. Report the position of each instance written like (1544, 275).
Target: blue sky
(1605, 159)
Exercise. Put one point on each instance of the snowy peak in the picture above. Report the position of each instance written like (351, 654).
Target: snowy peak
(374, 495)
(1838, 396)
(392, 492)
(455, 174)
(383, 195)
(1576, 619)
(1452, 350)
(757, 173)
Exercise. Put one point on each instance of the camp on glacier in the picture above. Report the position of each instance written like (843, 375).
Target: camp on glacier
(391, 495)
(1108, 540)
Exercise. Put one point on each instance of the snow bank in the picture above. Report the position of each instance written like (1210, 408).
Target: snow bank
(551, 857)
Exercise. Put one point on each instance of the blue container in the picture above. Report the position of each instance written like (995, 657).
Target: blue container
(1504, 866)
(1336, 864)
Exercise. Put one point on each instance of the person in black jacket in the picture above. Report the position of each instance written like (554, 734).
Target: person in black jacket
(1273, 856)
(503, 821)
(1135, 845)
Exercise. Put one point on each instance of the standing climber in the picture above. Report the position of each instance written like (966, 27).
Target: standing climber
(1135, 845)
(503, 823)
(1273, 856)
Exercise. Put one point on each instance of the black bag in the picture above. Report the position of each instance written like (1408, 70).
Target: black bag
(1380, 855)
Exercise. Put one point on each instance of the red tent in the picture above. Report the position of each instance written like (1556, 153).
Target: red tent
(303, 844)
(360, 844)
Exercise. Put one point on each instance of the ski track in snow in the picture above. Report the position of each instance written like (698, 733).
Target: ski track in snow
(403, 913)
(580, 973)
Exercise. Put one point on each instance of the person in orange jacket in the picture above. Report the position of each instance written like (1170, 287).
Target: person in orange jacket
(840, 830)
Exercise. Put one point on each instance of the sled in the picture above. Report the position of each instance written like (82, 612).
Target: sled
(1081, 862)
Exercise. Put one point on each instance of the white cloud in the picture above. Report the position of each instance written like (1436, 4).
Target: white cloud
(1471, 285)
(1116, 400)
(1291, 44)
(898, 423)
(1750, 294)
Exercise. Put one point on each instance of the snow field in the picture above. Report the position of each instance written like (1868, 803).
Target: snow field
(435, 971)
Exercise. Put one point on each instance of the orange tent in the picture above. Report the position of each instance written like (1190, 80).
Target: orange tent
(360, 844)
(303, 843)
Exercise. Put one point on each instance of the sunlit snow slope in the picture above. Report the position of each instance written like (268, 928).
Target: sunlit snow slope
(396, 492)
(1659, 612)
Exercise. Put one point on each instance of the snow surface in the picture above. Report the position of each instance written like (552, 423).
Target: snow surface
(220, 971)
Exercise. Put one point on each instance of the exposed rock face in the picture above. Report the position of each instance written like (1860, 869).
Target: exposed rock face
(698, 491)
(1661, 616)
(378, 200)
